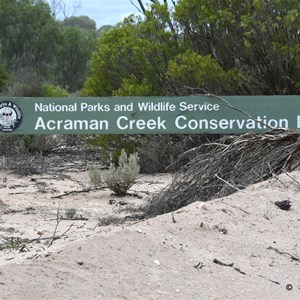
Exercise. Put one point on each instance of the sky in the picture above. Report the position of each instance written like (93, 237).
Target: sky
(104, 12)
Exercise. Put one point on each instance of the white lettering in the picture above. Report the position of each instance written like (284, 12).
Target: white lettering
(40, 124)
(199, 106)
(181, 122)
(124, 123)
(82, 125)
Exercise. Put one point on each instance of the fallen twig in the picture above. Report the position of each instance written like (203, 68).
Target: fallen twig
(293, 257)
(77, 192)
(72, 219)
(216, 261)
(200, 265)
(273, 281)
(65, 231)
(173, 219)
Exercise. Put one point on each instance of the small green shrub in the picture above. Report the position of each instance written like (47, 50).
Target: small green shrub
(117, 178)
(71, 213)
(50, 90)
(111, 146)
(95, 175)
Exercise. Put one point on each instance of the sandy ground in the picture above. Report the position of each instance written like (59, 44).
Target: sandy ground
(238, 247)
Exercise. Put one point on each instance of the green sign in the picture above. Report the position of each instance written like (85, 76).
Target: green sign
(149, 115)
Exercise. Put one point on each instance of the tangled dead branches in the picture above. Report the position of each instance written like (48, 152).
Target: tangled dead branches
(223, 167)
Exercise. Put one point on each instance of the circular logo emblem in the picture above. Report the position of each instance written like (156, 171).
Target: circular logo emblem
(10, 116)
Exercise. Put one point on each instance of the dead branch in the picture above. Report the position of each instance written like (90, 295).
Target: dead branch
(293, 257)
(65, 232)
(218, 262)
(228, 183)
(173, 219)
(273, 281)
(72, 219)
(142, 8)
(58, 219)
(77, 192)
(200, 265)
(238, 109)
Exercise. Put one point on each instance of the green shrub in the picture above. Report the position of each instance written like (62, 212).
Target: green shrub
(50, 90)
(112, 145)
(95, 175)
(117, 178)
(3, 77)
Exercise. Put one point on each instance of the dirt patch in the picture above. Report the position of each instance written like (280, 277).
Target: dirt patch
(242, 246)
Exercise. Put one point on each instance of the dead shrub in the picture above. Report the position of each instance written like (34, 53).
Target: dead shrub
(161, 153)
(223, 167)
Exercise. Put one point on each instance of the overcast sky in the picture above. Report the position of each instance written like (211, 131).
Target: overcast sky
(104, 12)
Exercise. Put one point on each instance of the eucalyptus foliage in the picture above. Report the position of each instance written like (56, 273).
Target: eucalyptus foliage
(199, 46)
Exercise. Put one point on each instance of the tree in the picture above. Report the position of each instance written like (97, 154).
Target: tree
(72, 57)
(103, 29)
(132, 58)
(60, 7)
(223, 46)
(83, 22)
(261, 38)
(27, 31)
(192, 73)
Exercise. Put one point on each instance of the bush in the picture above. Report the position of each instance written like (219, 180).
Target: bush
(117, 178)
(95, 175)
(163, 153)
(11, 144)
(50, 90)
(3, 77)
(112, 145)
(42, 143)
(16, 157)
(25, 83)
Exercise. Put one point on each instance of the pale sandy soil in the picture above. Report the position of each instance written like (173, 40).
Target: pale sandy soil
(173, 256)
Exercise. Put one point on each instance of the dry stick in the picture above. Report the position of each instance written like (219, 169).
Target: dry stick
(293, 257)
(236, 188)
(200, 265)
(173, 219)
(296, 181)
(273, 281)
(274, 175)
(216, 261)
(239, 110)
(76, 192)
(65, 231)
(58, 219)
(72, 219)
